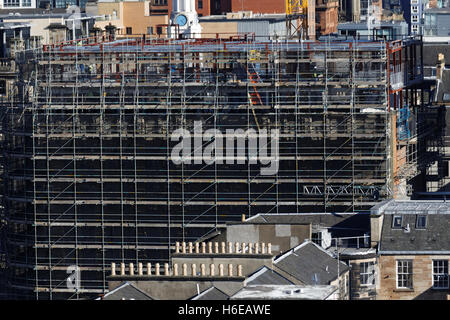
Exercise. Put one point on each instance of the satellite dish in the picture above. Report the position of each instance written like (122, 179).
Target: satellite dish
(75, 14)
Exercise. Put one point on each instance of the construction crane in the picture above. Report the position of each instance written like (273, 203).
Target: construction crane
(297, 10)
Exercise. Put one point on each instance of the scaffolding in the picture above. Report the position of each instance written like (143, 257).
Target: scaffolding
(89, 177)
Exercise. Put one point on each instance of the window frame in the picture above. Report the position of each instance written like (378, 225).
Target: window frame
(433, 274)
(409, 273)
(369, 272)
(394, 219)
(418, 219)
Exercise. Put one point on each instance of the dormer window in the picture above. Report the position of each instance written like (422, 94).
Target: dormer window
(421, 222)
(397, 222)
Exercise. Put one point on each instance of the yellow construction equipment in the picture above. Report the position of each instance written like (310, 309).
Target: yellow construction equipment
(297, 10)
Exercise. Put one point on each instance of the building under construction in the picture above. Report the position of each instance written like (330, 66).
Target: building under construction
(88, 171)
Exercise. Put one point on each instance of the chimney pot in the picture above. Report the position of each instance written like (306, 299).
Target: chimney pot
(157, 269)
(131, 267)
(263, 247)
(230, 247)
(212, 269)
(113, 269)
(197, 247)
(230, 270)
(177, 247)
(194, 270)
(149, 269)
(166, 269)
(236, 247)
(240, 270)
(184, 269)
(183, 247)
(243, 248)
(140, 269)
(243, 218)
(190, 247)
(210, 247)
(257, 248)
(221, 270)
(250, 248)
(203, 247)
(269, 248)
(122, 269)
(224, 247)
(203, 269)
(175, 269)
(216, 247)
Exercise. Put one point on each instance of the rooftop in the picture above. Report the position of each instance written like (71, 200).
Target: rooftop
(415, 227)
(310, 264)
(340, 225)
(285, 292)
(211, 294)
(126, 291)
(265, 276)
(412, 207)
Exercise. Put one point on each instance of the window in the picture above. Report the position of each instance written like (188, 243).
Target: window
(149, 30)
(421, 222)
(367, 273)
(129, 30)
(26, 3)
(404, 274)
(2, 87)
(415, 9)
(415, 19)
(200, 4)
(11, 3)
(440, 274)
(397, 222)
(317, 238)
(415, 28)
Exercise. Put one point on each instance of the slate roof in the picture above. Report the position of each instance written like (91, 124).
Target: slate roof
(431, 51)
(340, 225)
(211, 294)
(126, 291)
(433, 239)
(443, 88)
(310, 264)
(265, 276)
